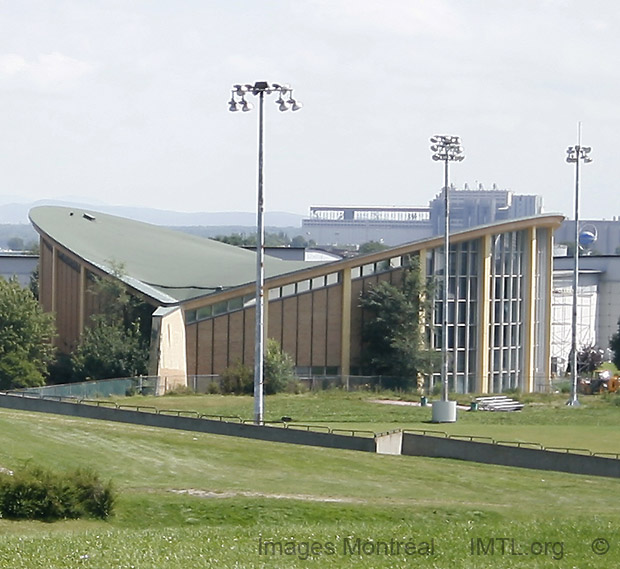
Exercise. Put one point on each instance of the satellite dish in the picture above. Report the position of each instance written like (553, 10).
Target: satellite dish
(587, 238)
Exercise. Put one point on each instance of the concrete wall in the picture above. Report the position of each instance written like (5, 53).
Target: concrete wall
(167, 358)
(389, 443)
(18, 265)
(420, 445)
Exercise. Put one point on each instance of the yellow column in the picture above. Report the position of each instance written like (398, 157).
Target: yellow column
(82, 293)
(265, 318)
(547, 301)
(484, 315)
(54, 276)
(345, 330)
(529, 312)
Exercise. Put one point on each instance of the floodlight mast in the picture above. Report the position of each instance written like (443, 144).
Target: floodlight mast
(446, 148)
(576, 155)
(238, 102)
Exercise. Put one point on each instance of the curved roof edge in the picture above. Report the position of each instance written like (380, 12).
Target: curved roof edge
(166, 265)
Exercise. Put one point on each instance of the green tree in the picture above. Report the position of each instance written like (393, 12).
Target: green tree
(280, 239)
(235, 239)
(33, 285)
(371, 247)
(107, 350)
(614, 345)
(278, 368)
(116, 342)
(26, 334)
(301, 241)
(15, 244)
(396, 334)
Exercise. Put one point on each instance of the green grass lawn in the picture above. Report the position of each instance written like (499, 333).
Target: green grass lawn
(197, 500)
(545, 420)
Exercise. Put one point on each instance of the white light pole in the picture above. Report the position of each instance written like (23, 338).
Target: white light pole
(445, 148)
(576, 155)
(238, 102)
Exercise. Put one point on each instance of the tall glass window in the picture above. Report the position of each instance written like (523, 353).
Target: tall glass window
(507, 297)
(462, 312)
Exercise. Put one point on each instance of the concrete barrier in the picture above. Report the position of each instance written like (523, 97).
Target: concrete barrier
(264, 433)
(389, 443)
(504, 455)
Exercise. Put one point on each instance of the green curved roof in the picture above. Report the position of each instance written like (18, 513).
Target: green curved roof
(166, 265)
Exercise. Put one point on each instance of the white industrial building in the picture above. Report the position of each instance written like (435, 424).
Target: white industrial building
(598, 305)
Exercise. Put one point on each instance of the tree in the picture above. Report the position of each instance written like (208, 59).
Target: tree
(278, 368)
(614, 345)
(116, 342)
(301, 241)
(26, 334)
(15, 244)
(108, 350)
(396, 336)
(235, 239)
(371, 247)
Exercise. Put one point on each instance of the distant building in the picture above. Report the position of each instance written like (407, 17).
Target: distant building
(607, 233)
(354, 225)
(598, 305)
(299, 254)
(471, 208)
(18, 265)
(392, 225)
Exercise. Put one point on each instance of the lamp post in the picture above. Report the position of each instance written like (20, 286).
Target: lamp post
(237, 102)
(576, 155)
(447, 149)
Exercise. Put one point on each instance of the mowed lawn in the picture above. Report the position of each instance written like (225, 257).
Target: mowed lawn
(195, 500)
(545, 419)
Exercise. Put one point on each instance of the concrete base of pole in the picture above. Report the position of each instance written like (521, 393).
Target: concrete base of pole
(444, 412)
(573, 402)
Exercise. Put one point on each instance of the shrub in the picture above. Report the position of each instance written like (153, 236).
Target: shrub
(279, 368)
(93, 498)
(180, 390)
(39, 494)
(237, 379)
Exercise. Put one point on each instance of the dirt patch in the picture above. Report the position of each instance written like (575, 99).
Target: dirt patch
(232, 494)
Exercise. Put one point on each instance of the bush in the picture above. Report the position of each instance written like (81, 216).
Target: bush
(237, 379)
(279, 368)
(39, 494)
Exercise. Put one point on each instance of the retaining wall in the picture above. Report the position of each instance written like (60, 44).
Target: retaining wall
(265, 433)
(504, 455)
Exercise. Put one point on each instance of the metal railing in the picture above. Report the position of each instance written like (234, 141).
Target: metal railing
(518, 444)
(40, 393)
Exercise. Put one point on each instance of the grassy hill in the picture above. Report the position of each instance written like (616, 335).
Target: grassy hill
(196, 500)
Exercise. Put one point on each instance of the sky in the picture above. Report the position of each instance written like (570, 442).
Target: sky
(124, 102)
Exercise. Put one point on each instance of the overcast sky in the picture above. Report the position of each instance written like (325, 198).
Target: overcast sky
(125, 101)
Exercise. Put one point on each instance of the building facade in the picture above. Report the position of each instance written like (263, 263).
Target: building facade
(598, 305)
(20, 266)
(394, 225)
(203, 297)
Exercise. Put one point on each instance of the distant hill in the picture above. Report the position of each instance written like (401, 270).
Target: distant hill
(17, 213)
